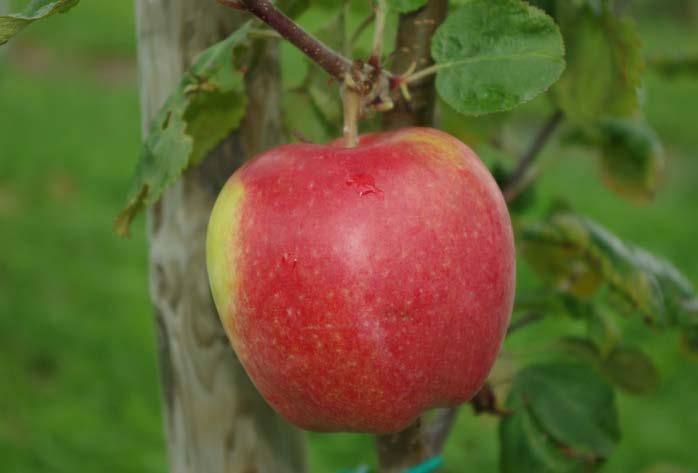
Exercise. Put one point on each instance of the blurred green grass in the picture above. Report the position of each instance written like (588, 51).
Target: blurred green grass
(78, 376)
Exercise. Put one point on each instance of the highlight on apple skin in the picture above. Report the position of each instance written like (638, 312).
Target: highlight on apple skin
(361, 286)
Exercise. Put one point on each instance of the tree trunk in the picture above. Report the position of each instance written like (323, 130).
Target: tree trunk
(215, 420)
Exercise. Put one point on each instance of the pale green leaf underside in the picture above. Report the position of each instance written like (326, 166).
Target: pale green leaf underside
(567, 249)
(632, 160)
(604, 64)
(405, 6)
(493, 55)
(207, 105)
(13, 23)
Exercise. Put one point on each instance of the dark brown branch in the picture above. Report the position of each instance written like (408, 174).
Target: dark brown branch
(518, 180)
(413, 49)
(334, 63)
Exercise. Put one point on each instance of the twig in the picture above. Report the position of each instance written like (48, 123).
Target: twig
(334, 63)
(365, 23)
(518, 180)
(522, 321)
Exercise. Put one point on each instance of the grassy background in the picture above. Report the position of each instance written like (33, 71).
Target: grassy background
(78, 378)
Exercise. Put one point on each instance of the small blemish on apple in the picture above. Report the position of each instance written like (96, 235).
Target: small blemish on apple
(364, 184)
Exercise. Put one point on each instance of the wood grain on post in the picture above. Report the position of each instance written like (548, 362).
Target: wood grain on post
(215, 420)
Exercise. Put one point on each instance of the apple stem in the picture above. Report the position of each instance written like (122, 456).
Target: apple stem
(351, 99)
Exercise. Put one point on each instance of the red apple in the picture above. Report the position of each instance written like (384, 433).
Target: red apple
(361, 286)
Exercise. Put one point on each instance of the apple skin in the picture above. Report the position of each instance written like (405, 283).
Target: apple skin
(362, 286)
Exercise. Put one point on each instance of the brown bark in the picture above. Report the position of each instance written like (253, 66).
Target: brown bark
(413, 47)
(413, 445)
(215, 420)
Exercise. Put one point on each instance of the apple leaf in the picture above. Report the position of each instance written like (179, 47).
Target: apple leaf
(604, 63)
(314, 108)
(582, 349)
(632, 160)
(627, 367)
(405, 6)
(631, 370)
(293, 8)
(631, 155)
(525, 447)
(13, 23)
(207, 105)
(577, 256)
(493, 55)
(563, 419)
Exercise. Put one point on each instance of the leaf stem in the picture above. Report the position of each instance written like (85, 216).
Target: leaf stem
(520, 178)
(421, 74)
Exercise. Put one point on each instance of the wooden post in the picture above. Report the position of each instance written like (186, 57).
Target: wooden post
(215, 420)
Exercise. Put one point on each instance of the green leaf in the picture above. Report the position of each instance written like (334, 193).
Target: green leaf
(553, 302)
(632, 370)
(207, 105)
(405, 6)
(13, 23)
(632, 160)
(314, 109)
(293, 8)
(604, 63)
(563, 419)
(582, 349)
(573, 404)
(631, 156)
(579, 257)
(493, 55)
(525, 447)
